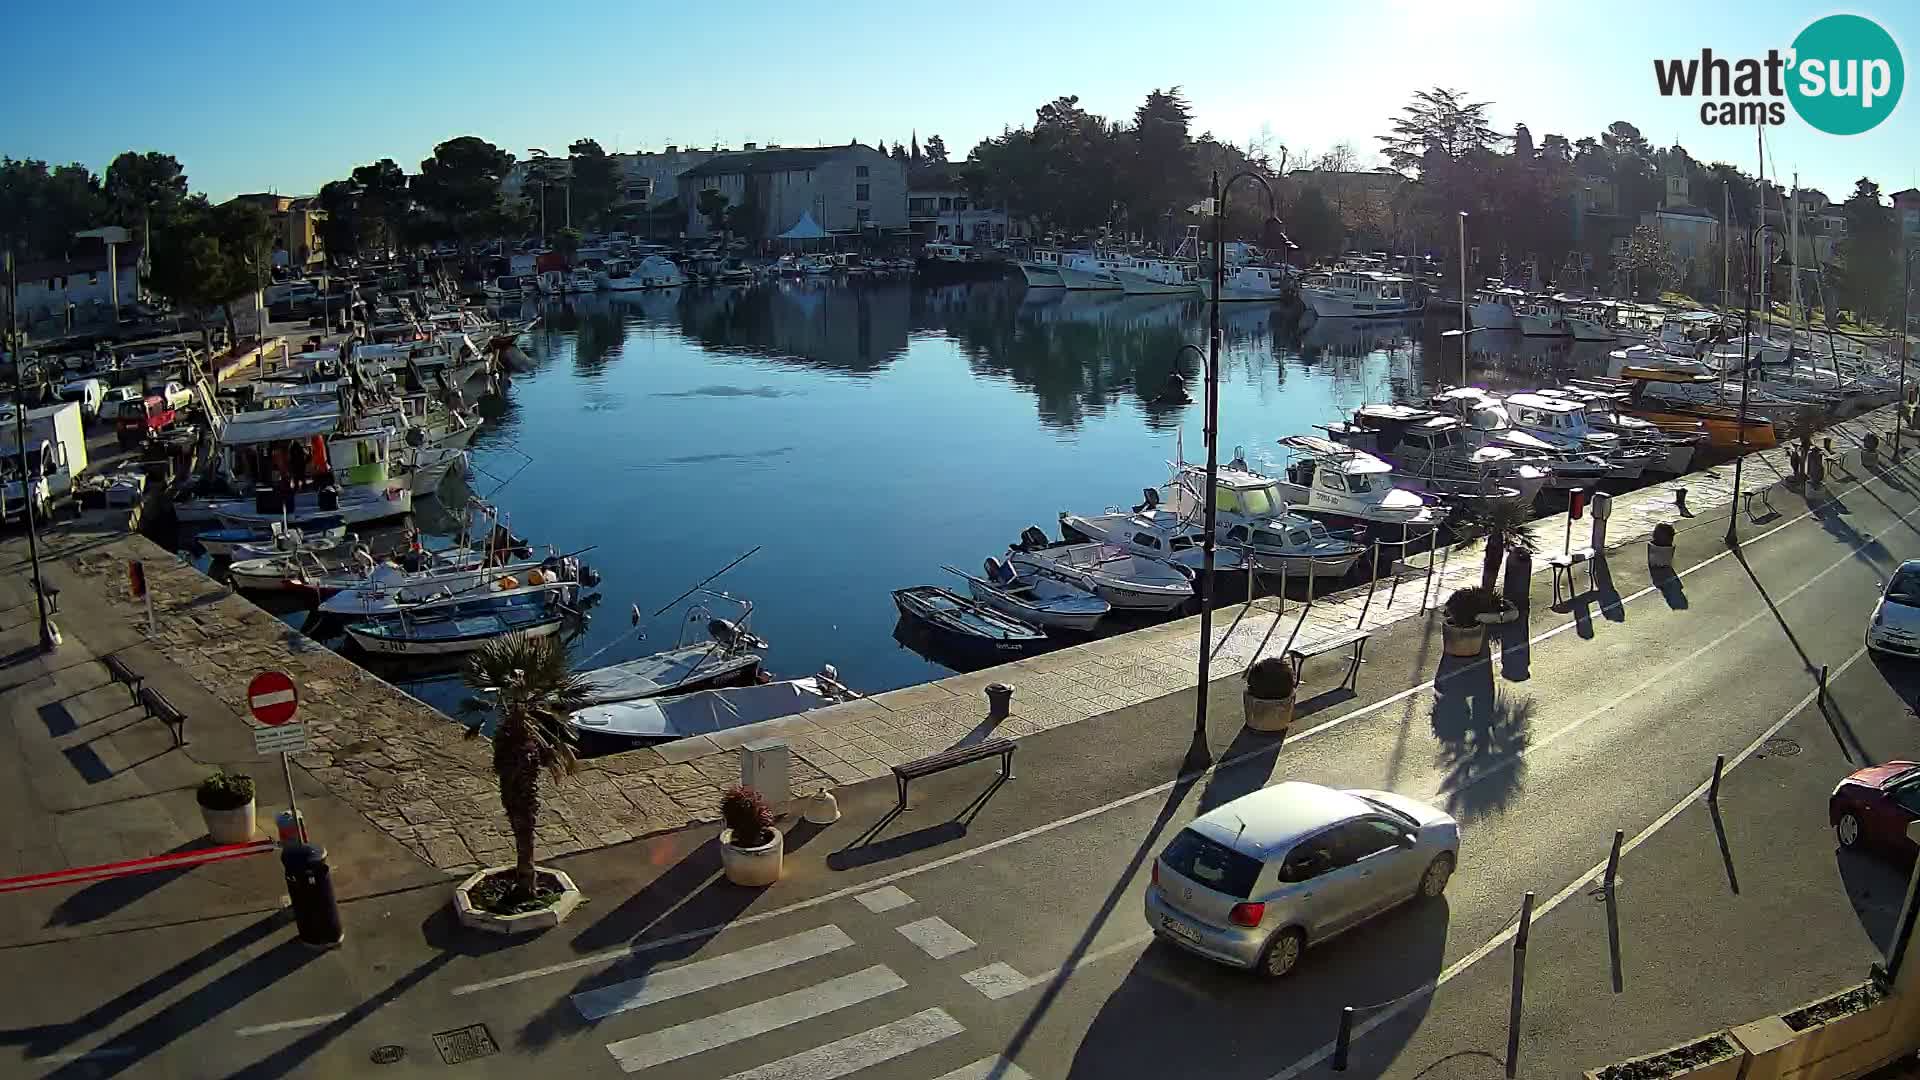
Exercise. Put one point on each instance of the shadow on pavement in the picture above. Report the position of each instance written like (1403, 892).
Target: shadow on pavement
(1672, 589)
(1516, 648)
(104, 898)
(1248, 770)
(867, 848)
(1611, 607)
(1214, 1021)
(1876, 886)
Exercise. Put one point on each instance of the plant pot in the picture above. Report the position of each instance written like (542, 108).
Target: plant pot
(755, 866)
(1659, 557)
(233, 826)
(1507, 613)
(524, 922)
(1269, 714)
(1463, 640)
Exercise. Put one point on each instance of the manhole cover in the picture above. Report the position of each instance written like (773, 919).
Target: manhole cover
(387, 1055)
(1779, 748)
(465, 1044)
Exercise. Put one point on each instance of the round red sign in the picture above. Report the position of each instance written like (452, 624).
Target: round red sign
(272, 698)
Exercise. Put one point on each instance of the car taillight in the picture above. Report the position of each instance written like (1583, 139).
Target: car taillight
(1247, 914)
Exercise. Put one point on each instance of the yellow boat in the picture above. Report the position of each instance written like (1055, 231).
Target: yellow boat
(1723, 423)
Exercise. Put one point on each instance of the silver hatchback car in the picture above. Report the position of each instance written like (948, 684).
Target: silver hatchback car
(1252, 882)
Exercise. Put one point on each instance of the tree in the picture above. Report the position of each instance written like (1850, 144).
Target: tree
(1648, 263)
(1437, 119)
(1869, 255)
(1313, 224)
(899, 152)
(936, 150)
(596, 181)
(713, 207)
(1523, 142)
(566, 242)
(384, 202)
(1160, 161)
(461, 181)
(207, 257)
(246, 239)
(340, 230)
(144, 188)
(41, 207)
(533, 689)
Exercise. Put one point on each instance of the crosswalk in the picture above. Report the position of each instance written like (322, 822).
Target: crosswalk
(705, 1032)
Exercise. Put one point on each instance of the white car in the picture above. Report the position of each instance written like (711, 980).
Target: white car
(1895, 625)
(115, 396)
(178, 396)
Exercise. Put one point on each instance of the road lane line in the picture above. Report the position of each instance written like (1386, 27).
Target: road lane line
(936, 937)
(288, 1025)
(830, 1061)
(71, 1056)
(1454, 969)
(723, 1028)
(670, 983)
(988, 1068)
(612, 955)
(885, 899)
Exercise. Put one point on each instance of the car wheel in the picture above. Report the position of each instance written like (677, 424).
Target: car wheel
(1847, 830)
(1283, 953)
(1434, 882)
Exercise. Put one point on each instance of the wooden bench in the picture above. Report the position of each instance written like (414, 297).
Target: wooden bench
(949, 759)
(1563, 568)
(161, 709)
(1299, 652)
(119, 672)
(1765, 495)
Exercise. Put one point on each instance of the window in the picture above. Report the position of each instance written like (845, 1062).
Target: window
(1366, 837)
(1147, 540)
(919, 207)
(860, 193)
(946, 203)
(1237, 534)
(1255, 501)
(1212, 864)
(959, 204)
(859, 170)
(1309, 859)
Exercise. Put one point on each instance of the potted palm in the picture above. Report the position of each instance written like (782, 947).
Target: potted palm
(1505, 521)
(226, 805)
(751, 850)
(1269, 695)
(531, 687)
(1462, 633)
(1660, 547)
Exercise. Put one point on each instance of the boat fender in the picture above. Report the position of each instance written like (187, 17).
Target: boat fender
(535, 577)
(636, 614)
(508, 581)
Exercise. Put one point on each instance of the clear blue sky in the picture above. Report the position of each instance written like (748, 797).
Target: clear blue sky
(253, 97)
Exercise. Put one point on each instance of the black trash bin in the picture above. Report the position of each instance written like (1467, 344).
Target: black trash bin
(310, 886)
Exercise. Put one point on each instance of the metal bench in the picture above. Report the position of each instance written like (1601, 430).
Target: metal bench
(1299, 652)
(1563, 568)
(949, 759)
(161, 709)
(119, 672)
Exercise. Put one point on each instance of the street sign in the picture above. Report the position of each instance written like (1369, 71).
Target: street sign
(285, 739)
(272, 698)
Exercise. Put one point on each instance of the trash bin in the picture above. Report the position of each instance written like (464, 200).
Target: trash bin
(310, 887)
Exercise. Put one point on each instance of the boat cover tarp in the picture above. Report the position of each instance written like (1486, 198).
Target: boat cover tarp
(300, 422)
(659, 673)
(805, 229)
(702, 713)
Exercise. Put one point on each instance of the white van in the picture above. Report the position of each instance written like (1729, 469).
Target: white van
(88, 393)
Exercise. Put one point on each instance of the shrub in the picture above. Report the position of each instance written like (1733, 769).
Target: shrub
(747, 814)
(1270, 679)
(225, 791)
(1465, 606)
(1663, 535)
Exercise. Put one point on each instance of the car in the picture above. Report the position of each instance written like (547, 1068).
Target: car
(1894, 627)
(1253, 882)
(1874, 808)
(114, 398)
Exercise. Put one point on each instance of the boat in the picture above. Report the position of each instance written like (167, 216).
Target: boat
(447, 580)
(1431, 450)
(1679, 441)
(581, 281)
(1364, 294)
(1493, 309)
(965, 625)
(1088, 271)
(1248, 284)
(619, 276)
(1726, 430)
(1042, 271)
(730, 655)
(450, 629)
(292, 571)
(1588, 320)
(332, 470)
(1159, 277)
(1561, 422)
(1251, 517)
(1543, 317)
(1347, 487)
(1488, 424)
(659, 272)
(706, 712)
(1157, 533)
(252, 542)
(1125, 580)
(1035, 598)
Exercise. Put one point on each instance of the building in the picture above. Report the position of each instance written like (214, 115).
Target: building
(1906, 212)
(846, 190)
(652, 179)
(76, 291)
(297, 239)
(939, 208)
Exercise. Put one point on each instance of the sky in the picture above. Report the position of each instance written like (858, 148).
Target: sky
(257, 97)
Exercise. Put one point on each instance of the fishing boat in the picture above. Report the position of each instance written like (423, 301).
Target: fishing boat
(1347, 487)
(445, 630)
(967, 626)
(1364, 294)
(1656, 394)
(706, 712)
(1036, 598)
(1248, 284)
(1488, 425)
(1543, 317)
(1042, 271)
(291, 571)
(1087, 271)
(1680, 442)
(731, 654)
(450, 580)
(1563, 423)
(254, 542)
(1493, 309)
(1126, 580)
(1155, 532)
(1159, 277)
(1252, 518)
(1430, 451)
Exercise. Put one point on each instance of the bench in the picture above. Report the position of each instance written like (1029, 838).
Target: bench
(949, 759)
(1299, 652)
(161, 709)
(119, 672)
(1765, 495)
(1563, 568)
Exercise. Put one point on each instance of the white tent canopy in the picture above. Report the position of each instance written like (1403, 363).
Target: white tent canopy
(805, 229)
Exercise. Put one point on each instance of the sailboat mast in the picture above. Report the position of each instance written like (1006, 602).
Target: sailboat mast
(1726, 243)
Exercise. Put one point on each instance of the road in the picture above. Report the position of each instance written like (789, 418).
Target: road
(1007, 939)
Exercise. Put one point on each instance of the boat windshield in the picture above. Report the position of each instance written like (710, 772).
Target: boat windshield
(1360, 482)
(1256, 502)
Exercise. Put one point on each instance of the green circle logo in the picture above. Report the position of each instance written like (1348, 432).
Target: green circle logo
(1846, 74)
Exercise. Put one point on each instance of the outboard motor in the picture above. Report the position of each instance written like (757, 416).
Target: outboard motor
(1149, 499)
(1032, 539)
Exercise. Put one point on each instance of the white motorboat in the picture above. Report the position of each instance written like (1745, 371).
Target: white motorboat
(1251, 517)
(1588, 320)
(1603, 413)
(1088, 271)
(1035, 598)
(731, 654)
(1343, 486)
(1494, 309)
(1159, 277)
(291, 571)
(1248, 284)
(1155, 533)
(451, 629)
(1563, 423)
(1489, 425)
(581, 281)
(619, 276)
(1042, 271)
(1364, 294)
(659, 272)
(1432, 451)
(708, 712)
(456, 579)
(1117, 575)
(1543, 317)
(248, 542)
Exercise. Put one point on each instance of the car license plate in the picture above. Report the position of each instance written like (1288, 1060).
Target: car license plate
(1179, 929)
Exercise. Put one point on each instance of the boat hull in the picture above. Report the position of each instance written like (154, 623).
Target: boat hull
(1491, 317)
(1041, 277)
(1540, 326)
(383, 645)
(1139, 285)
(1329, 306)
(1088, 281)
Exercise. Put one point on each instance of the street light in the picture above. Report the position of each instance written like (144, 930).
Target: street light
(1200, 755)
(49, 634)
(1746, 380)
(1906, 304)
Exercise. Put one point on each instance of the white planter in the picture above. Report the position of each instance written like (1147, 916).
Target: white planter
(1265, 714)
(525, 922)
(752, 866)
(233, 826)
(1658, 556)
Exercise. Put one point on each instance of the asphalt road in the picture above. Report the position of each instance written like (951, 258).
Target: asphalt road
(1008, 940)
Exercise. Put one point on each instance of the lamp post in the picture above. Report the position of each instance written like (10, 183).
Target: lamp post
(1906, 304)
(1200, 755)
(1746, 381)
(1463, 298)
(49, 634)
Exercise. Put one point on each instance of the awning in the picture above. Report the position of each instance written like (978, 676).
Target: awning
(303, 422)
(805, 229)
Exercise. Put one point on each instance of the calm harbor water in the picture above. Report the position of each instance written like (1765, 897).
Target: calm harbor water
(862, 436)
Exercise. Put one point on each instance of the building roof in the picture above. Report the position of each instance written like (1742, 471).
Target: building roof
(1687, 211)
(767, 161)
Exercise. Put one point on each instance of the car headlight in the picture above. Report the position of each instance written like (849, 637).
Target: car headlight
(1879, 614)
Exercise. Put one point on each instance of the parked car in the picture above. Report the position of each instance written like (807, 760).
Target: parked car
(88, 393)
(136, 421)
(1873, 808)
(177, 395)
(114, 398)
(1254, 881)
(1895, 624)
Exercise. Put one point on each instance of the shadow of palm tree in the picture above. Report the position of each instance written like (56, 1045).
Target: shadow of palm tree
(1483, 733)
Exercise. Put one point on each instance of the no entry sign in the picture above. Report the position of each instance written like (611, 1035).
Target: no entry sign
(272, 698)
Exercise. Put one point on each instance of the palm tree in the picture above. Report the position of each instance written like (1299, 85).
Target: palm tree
(532, 688)
(1505, 521)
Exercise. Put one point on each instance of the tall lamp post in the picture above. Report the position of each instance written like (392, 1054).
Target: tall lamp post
(1906, 304)
(1746, 379)
(1200, 755)
(49, 634)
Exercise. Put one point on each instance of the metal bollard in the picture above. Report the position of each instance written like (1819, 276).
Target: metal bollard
(1342, 1041)
(1713, 789)
(1823, 686)
(1519, 985)
(1680, 499)
(310, 887)
(1613, 860)
(999, 700)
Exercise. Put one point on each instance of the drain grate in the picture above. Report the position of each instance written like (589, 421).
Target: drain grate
(1779, 748)
(465, 1044)
(388, 1054)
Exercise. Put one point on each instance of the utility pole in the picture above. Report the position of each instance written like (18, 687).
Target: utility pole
(49, 634)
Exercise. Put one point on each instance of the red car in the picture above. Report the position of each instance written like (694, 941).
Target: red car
(1873, 807)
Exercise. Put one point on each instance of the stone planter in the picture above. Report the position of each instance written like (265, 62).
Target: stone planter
(1847, 1044)
(755, 866)
(1267, 714)
(1685, 1060)
(525, 922)
(1463, 640)
(1658, 557)
(233, 826)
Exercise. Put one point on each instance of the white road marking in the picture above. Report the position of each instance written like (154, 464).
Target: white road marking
(997, 980)
(71, 1056)
(936, 937)
(1042, 829)
(747, 1021)
(670, 983)
(886, 899)
(830, 1061)
(988, 1068)
(288, 1025)
(1452, 970)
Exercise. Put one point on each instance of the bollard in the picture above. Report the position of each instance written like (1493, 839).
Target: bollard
(999, 700)
(1519, 984)
(1680, 499)
(1283, 586)
(1713, 789)
(1343, 1040)
(310, 888)
(1823, 686)
(1613, 860)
